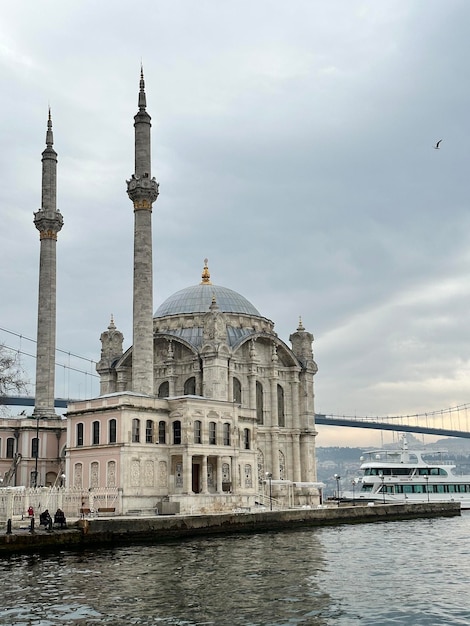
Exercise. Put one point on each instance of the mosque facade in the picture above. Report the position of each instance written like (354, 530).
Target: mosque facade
(208, 410)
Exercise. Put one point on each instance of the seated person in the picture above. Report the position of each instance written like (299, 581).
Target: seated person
(45, 519)
(59, 518)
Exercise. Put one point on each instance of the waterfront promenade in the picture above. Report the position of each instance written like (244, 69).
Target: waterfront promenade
(108, 531)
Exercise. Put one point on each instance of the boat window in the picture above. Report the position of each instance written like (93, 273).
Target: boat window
(407, 488)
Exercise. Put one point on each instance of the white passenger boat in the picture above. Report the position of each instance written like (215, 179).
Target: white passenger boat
(397, 476)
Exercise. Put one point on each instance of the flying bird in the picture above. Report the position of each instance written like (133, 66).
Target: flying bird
(436, 147)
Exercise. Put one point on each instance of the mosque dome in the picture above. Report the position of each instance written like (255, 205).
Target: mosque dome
(198, 299)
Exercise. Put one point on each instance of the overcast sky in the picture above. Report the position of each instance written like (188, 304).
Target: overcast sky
(293, 144)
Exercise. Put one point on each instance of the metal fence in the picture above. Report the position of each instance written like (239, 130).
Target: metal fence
(15, 501)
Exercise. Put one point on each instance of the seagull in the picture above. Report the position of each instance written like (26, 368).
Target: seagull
(436, 147)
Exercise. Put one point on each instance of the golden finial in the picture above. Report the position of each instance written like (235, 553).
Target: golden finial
(206, 276)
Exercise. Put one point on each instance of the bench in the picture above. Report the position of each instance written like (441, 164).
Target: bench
(106, 510)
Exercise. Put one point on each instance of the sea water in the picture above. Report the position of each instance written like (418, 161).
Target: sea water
(404, 573)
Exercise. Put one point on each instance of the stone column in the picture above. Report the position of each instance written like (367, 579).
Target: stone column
(218, 486)
(187, 473)
(204, 474)
(296, 457)
(48, 220)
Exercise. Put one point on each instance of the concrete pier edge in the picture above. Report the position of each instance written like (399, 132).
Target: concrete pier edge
(111, 531)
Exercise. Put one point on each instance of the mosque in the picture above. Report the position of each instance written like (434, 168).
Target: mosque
(204, 410)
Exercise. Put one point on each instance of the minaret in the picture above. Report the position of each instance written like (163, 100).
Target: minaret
(142, 189)
(48, 221)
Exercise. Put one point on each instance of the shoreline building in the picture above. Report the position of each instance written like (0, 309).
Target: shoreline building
(207, 406)
(208, 410)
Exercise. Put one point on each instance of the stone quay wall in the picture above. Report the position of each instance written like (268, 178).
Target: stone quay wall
(104, 532)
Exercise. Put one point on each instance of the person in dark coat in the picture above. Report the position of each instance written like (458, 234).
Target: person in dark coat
(59, 518)
(45, 520)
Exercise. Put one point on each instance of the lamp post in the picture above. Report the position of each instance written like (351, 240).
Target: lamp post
(354, 483)
(382, 478)
(62, 480)
(337, 477)
(269, 477)
(426, 478)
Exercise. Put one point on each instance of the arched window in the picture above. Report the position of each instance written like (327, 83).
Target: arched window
(34, 447)
(212, 433)
(237, 391)
(177, 432)
(164, 390)
(197, 431)
(190, 387)
(112, 431)
(281, 418)
(226, 432)
(246, 438)
(259, 403)
(149, 431)
(161, 432)
(135, 430)
(80, 434)
(95, 433)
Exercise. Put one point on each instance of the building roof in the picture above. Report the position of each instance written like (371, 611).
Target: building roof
(198, 299)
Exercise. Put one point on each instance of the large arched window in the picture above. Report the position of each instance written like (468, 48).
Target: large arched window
(177, 432)
(164, 390)
(259, 403)
(190, 387)
(80, 434)
(95, 433)
(112, 438)
(135, 430)
(281, 417)
(237, 391)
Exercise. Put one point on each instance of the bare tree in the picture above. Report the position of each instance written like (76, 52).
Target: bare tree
(12, 375)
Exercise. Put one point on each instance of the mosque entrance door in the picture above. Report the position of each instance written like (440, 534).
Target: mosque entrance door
(196, 485)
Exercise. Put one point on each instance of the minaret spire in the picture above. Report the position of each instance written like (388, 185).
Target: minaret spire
(48, 220)
(142, 189)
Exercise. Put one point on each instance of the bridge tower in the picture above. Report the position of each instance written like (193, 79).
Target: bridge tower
(142, 189)
(48, 220)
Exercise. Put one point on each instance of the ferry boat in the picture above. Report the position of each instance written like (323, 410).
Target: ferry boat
(403, 475)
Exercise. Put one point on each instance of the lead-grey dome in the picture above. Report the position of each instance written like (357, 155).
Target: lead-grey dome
(198, 298)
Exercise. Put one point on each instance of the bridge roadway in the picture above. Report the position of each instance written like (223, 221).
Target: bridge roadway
(327, 420)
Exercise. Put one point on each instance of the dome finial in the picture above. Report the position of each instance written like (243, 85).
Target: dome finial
(206, 276)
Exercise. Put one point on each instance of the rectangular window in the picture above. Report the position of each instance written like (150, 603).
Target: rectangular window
(34, 447)
(79, 434)
(135, 431)
(197, 431)
(112, 431)
(226, 434)
(212, 433)
(149, 431)
(161, 432)
(246, 438)
(10, 448)
(177, 432)
(96, 433)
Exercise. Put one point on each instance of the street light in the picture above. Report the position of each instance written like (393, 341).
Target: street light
(354, 483)
(426, 478)
(382, 478)
(337, 477)
(62, 480)
(269, 476)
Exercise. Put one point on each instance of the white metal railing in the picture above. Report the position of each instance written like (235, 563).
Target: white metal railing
(15, 501)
